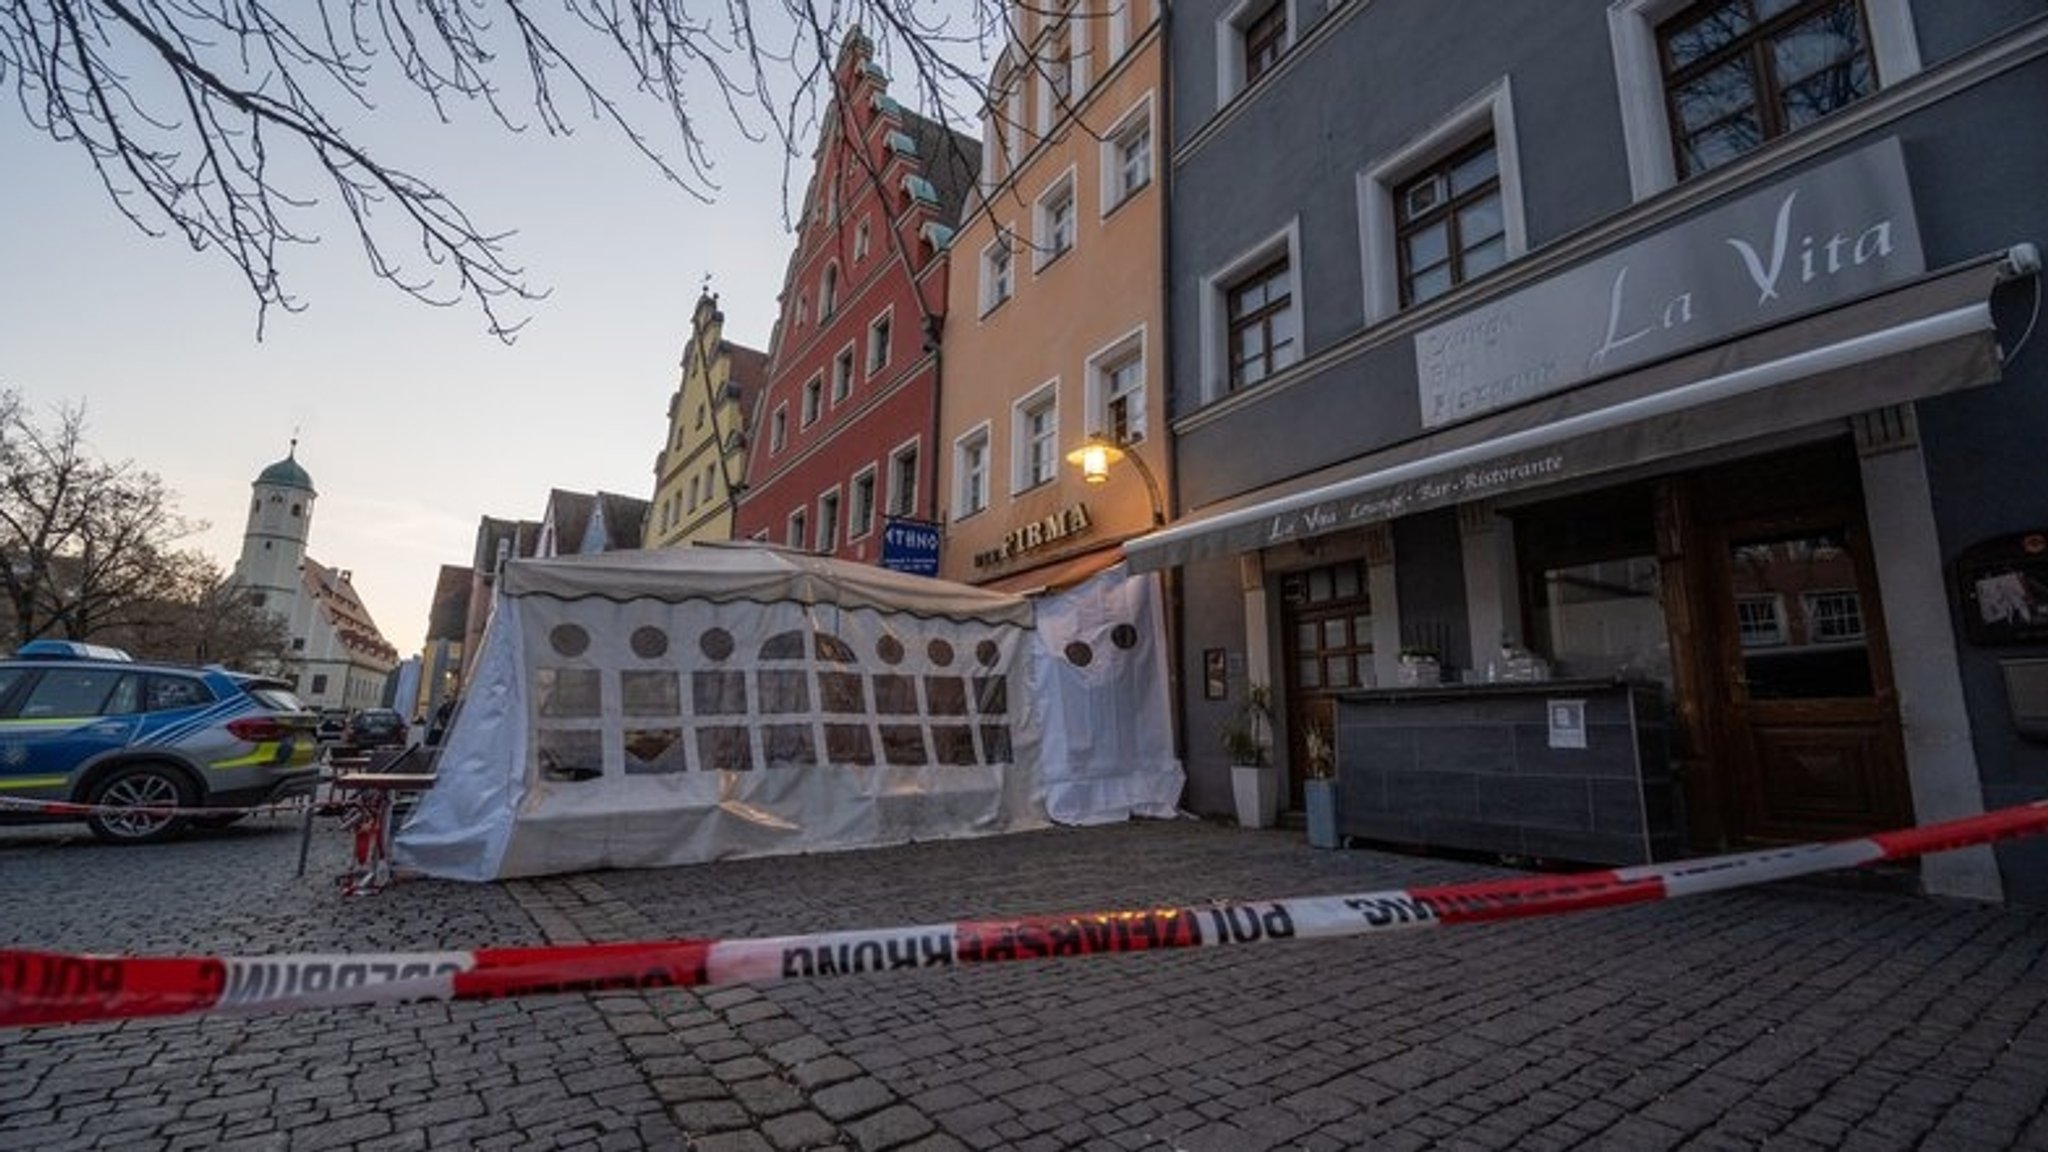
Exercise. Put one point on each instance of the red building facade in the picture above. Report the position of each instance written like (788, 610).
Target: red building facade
(845, 437)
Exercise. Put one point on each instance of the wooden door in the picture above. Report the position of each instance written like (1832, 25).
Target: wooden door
(1801, 704)
(1328, 622)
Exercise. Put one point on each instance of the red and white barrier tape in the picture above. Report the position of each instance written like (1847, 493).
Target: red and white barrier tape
(38, 988)
(74, 808)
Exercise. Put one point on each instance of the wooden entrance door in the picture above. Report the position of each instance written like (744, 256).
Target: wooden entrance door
(1328, 621)
(1805, 720)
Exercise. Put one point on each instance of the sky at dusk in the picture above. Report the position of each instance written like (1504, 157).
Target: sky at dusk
(413, 421)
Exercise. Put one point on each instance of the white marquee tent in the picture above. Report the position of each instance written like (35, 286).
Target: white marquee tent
(644, 709)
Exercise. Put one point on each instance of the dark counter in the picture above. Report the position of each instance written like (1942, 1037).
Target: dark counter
(1471, 767)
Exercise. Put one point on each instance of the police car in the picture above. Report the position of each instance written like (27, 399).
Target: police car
(85, 724)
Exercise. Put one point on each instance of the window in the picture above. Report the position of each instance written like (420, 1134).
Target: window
(828, 521)
(814, 401)
(1251, 37)
(691, 504)
(1127, 157)
(1055, 220)
(861, 518)
(903, 481)
(1753, 71)
(842, 375)
(1759, 621)
(1264, 330)
(1444, 207)
(700, 422)
(878, 344)
(1116, 390)
(1740, 72)
(995, 272)
(970, 473)
(1833, 617)
(1448, 224)
(1036, 440)
(1265, 38)
(828, 293)
(1058, 63)
(797, 529)
(778, 428)
(319, 683)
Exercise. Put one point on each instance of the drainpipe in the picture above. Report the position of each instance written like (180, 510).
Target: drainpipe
(1169, 580)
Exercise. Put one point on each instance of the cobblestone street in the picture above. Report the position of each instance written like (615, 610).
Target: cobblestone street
(1796, 1016)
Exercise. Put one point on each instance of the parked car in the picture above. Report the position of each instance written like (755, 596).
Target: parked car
(89, 725)
(376, 728)
(333, 725)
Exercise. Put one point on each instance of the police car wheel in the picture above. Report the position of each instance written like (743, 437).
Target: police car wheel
(140, 786)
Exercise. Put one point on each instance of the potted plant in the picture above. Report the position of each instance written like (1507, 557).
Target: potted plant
(1420, 667)
(1254, 779)
(1319, 790)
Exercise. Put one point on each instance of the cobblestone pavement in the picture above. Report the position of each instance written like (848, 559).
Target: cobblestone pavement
(1794, 1016)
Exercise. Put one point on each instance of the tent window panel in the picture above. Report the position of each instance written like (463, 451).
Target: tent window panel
(655, 752)
(650, 693)
(718, 693)
(995, 743)
(573, 692)
(788, 745)
(784, 691)
(895, 695)
(903, 744)
(947, 695)
(833, 649)
(570, 757)
(783, 646)
(724, 750)
(849, 744)
(954, 745)
(843, 692)
(992, 695)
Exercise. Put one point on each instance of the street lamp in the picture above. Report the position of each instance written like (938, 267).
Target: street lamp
(1097, 454)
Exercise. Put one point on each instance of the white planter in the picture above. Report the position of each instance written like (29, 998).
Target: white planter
(1256, 788)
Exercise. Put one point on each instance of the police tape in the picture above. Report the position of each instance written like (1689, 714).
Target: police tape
(44, 988)
(24, 806)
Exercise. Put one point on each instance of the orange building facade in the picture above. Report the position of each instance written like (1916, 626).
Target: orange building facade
(1055, 331)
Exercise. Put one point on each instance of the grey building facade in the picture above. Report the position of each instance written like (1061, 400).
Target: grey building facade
(1683, 345)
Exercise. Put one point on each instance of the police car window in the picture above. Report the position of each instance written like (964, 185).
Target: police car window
(80, 692)
(166, 692)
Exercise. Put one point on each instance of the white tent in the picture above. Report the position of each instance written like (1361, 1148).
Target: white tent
(644, 709)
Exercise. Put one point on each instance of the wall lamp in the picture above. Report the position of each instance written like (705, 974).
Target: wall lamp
(1098, 454)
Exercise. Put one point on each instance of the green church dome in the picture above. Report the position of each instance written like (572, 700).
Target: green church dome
(286, 473)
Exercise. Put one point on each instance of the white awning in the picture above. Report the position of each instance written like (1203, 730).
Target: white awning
(1693, 402)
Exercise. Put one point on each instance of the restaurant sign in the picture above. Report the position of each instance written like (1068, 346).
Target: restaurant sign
(1814, 240)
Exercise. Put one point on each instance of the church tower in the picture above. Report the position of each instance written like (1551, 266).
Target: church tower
(274, 543)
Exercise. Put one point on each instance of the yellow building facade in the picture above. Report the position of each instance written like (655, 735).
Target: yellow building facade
(1055, 332)
(701, 468)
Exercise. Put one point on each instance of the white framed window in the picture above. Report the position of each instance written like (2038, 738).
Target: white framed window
(1035, 438)
(1053, 219)
(860, 241)
(1116, 390)
(1490, 114)
(878, 342)
(1251, 37)
(860, 518)
(1834, 616)
(690, 505)
(1127, 157)
(828, 293)
(814, 402)
(997, 274)
(1639, 76)
(1251, 315)
(903, 480)
(828, 519)
(778, 428)
(1119, 27)
(1760, 621)
(798, 528)
(970, 472)
(842, 374)
(802, 310)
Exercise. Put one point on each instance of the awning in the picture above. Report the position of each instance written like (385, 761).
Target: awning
(1056, 576)
(1930, 337)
